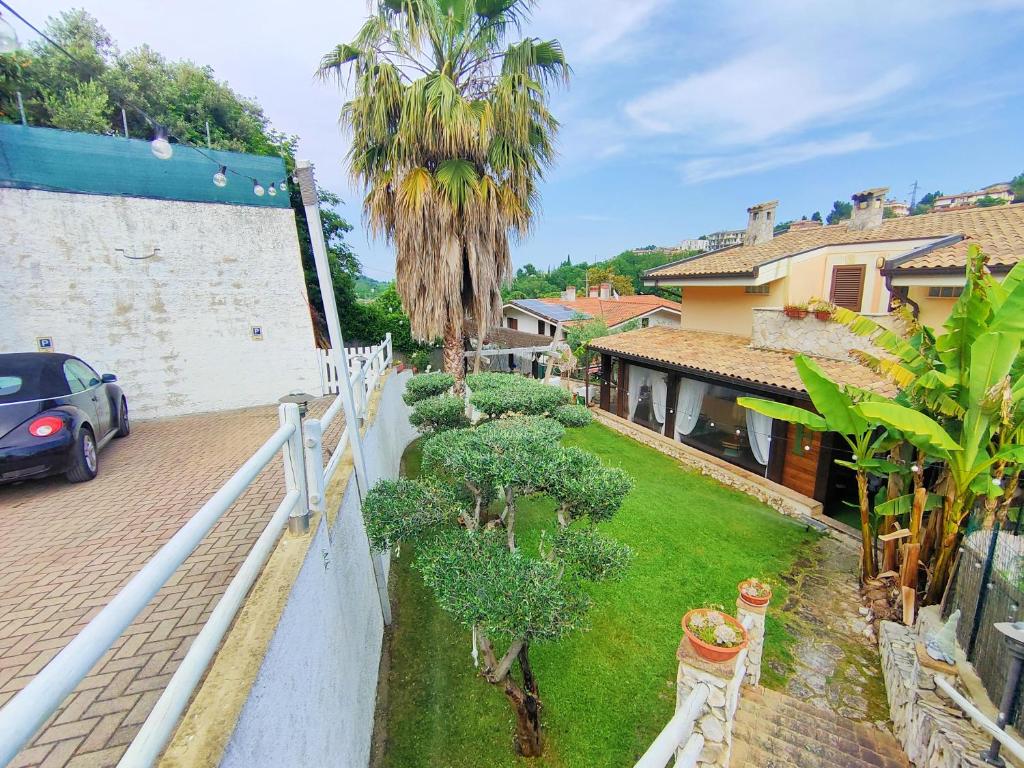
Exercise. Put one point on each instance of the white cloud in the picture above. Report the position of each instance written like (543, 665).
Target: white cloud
(595, 31)
(727, 166)
(762, 95)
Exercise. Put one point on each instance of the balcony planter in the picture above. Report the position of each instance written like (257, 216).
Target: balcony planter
(714, 635)
(754, 592)
(795, 310)
(822, 310)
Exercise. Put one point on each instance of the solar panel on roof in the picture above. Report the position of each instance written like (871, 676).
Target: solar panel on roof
(552, 311)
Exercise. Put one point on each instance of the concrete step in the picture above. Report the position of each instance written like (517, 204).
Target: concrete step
(773, 730)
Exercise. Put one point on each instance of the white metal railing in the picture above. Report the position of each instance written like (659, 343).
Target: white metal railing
(986, 724)
(678, 732)
(24, 714)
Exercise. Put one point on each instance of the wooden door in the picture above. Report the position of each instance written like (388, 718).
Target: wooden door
(848, 286)
(803, 458)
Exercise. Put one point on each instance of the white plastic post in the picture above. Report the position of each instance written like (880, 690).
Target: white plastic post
(313, 446)
(295, 469)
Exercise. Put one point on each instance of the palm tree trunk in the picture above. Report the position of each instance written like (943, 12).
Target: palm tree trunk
(867, 556)
(454, 356)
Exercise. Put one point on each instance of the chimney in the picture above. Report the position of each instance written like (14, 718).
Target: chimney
(606, 291)
(760, 223)
(868, 207)
(592, 294)
(569, 294)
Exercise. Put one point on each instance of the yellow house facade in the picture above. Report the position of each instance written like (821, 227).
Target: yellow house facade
(864, 264)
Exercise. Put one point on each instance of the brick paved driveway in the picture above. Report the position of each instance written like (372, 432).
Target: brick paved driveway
(65, 550)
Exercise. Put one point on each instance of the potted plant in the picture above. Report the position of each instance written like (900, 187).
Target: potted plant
(822, 310)
(715, 635)
(795, 310)
(755, 592)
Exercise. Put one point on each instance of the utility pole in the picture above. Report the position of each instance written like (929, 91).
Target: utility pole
(307, 186)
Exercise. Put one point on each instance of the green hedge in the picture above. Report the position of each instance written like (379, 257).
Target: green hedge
(438, 414)
(426, 385)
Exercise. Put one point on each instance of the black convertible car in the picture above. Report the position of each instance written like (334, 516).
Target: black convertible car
(55, 414)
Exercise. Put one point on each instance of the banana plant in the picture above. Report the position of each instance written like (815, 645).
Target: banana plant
(837, 412)
(974, 449)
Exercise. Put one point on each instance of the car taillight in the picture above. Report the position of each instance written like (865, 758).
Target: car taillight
(45, 426)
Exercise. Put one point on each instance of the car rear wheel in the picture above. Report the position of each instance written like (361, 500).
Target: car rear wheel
(124, 427)
(84, 460)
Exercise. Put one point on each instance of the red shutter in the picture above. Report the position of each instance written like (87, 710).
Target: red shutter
(848, 286)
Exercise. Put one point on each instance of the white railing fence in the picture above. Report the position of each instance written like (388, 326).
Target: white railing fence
(681, 738)
(305, 478)
(986, 724)
(329, 376)
(678, 732)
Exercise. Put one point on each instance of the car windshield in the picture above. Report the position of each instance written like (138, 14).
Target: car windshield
(28, 377)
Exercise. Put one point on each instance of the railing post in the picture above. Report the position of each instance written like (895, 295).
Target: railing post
(313, 447)
(294, 468)
(752, 617)
(389, 355)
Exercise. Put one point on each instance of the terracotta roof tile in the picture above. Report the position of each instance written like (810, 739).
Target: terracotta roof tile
(616, 311)
(999, 230)
(732, 356)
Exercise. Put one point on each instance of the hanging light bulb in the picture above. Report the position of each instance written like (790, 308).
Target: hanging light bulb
(271, 190)
(257, 188)
(915, 469)
(283, 186)
(8, 37)
(855, 457)
(220, 178)
(160, 146)
(807, 447)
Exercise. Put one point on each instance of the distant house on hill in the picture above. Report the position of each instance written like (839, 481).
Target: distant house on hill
(549, 317)
(192, 293)
(1000, 191)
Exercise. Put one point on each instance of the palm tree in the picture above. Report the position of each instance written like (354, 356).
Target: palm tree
(450, 135)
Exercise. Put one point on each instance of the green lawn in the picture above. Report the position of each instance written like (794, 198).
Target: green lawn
(607, 692)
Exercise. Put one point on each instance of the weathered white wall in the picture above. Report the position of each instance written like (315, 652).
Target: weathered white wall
(527, 322)
(312, 703)
(176, 327)
(663, 318)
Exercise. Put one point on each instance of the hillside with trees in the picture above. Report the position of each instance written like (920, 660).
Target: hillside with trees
(623, 271)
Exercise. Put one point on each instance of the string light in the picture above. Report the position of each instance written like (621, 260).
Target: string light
(271, 190)
(160, 146)
(915, 469)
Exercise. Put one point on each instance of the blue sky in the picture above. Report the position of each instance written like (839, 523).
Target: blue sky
(680, 114)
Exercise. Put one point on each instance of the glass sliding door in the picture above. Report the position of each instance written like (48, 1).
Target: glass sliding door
(708, 418)
(645, 402)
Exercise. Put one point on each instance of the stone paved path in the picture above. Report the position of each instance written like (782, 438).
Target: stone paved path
(65, 550)
(832, 710)
(773, 730)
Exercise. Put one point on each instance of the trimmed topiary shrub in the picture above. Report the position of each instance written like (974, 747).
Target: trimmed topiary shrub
(439, 414)
(525, 396)
(426, 385)
(572, 415)
(481, 381)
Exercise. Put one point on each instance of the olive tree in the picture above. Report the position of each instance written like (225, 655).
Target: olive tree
(507, 596)
(425, 385)
(438, 414)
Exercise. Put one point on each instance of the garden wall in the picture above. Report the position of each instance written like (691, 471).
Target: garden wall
(306, 664)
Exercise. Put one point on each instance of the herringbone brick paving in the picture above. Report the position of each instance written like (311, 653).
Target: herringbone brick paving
(65, 551)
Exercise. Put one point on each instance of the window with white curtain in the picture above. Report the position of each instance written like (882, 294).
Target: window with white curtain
(648, 390)
(708, 417)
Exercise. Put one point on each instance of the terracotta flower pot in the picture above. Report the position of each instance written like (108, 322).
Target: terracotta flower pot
(753, 599)
(710, 652)
(795, 313)
(823, 314)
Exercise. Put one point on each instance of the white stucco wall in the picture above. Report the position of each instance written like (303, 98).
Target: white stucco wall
(663, 318)
(312, 703)
(175, 327)
(527, 322)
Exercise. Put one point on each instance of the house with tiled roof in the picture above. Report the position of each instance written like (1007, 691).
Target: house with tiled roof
(736, 339)
(551, 316)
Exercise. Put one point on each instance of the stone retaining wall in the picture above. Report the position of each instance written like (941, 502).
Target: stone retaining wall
(934, 732)
(774, 330)
(778, 497)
